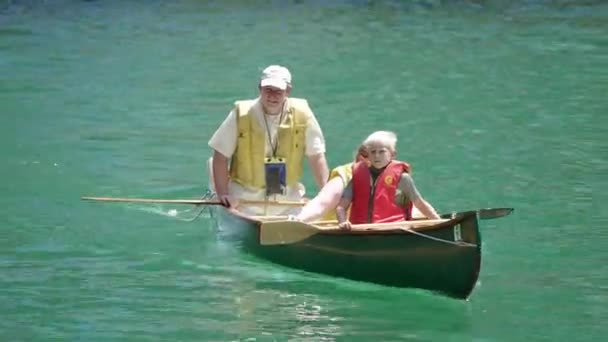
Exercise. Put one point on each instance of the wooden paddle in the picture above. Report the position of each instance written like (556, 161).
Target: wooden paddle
(286, 232)
(486, 213)
(188, 201)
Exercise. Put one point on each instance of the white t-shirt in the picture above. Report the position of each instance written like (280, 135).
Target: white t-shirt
(224, 140)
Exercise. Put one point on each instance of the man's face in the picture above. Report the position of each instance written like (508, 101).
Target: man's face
(273, 98)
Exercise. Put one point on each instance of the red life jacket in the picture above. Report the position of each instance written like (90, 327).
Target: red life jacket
(383, 207)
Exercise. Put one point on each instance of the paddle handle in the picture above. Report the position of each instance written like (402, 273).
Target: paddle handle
(151, 200)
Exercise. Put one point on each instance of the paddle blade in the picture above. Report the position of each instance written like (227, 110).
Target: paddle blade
(285, 232)
(493, 213)
(486, 213)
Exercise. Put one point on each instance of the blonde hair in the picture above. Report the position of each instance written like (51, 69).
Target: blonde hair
(382, 138)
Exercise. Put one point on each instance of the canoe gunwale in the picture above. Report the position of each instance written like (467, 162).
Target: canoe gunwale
(258, 221)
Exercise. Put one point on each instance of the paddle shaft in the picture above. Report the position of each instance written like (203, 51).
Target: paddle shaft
(483, 214)
(187, 201)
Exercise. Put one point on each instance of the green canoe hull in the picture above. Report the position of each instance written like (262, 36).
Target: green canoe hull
(445, 258)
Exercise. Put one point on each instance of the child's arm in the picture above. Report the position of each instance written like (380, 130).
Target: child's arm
(426, 208)
(343, 205)
(407, 186)
(341, 213)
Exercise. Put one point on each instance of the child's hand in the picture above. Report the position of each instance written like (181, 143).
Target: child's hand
(346, 225)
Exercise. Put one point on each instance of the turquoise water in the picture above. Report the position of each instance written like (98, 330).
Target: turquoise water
(495, 103)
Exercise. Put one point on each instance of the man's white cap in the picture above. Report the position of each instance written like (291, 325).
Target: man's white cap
(275, 76)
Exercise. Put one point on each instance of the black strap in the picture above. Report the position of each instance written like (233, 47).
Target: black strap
(275, 146)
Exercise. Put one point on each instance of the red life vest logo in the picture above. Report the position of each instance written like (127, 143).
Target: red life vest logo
(388, 180)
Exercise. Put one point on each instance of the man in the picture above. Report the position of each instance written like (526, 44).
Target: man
(266, 141)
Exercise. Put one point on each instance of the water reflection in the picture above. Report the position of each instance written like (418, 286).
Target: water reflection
(297, 305)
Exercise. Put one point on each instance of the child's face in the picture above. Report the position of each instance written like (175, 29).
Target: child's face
(379, 155)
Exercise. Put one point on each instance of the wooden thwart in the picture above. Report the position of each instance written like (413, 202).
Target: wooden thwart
(286, 232)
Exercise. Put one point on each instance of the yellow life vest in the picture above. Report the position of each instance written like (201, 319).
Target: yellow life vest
(345, 172)
(247, 164)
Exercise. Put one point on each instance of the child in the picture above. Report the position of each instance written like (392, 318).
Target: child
(383, 190)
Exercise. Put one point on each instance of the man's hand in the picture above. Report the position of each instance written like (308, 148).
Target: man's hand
(228, 201)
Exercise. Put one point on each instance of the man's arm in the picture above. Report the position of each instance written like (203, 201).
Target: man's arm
(220, 173)
(315, 151)
(320, 171)
(223, 142)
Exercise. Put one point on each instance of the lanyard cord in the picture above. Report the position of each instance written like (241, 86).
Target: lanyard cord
(274, 146)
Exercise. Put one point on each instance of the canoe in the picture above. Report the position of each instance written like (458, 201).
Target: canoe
(442, 256)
